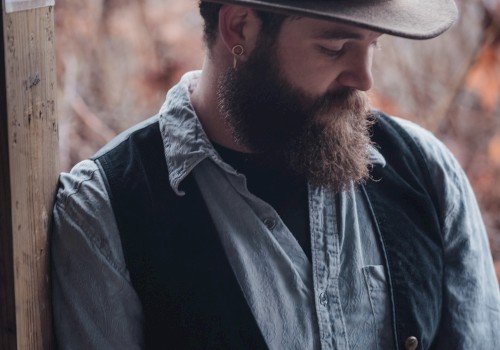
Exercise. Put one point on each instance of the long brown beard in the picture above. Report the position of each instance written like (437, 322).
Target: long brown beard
(325, 139)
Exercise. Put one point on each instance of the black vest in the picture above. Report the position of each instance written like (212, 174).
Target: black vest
(190, 296)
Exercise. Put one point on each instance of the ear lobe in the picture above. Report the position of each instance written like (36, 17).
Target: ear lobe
(238, 25)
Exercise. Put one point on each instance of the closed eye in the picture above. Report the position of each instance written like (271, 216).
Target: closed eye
(331, 52)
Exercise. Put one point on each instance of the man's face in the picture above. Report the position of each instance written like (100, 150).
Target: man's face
(297, 99)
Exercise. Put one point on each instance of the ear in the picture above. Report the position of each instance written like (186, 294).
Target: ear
(238, 25)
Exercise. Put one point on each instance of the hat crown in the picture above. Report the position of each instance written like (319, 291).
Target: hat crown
(415, 19)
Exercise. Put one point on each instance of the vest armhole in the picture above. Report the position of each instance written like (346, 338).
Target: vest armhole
(418, 154)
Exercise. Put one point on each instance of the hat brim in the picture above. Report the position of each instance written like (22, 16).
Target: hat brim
(413, 19)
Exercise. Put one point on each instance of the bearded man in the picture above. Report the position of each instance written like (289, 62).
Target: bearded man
(267, 206)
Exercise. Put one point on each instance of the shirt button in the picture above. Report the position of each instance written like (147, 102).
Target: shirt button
(411, 343)
(323, 300)
(270, 223)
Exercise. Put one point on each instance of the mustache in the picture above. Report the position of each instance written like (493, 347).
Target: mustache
(342, 99)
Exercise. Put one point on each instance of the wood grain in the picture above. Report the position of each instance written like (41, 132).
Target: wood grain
(7, 301)
(32, 160)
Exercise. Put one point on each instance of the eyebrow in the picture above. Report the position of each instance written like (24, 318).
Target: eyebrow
(339, 34)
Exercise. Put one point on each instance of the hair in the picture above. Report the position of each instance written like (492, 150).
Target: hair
(271, 22)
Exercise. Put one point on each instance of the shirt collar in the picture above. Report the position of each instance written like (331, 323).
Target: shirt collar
(186, 143)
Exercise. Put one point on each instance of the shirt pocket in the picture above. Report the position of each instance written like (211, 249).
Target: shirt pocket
(378, 293)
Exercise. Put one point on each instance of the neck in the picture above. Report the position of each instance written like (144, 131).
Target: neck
(204, 101)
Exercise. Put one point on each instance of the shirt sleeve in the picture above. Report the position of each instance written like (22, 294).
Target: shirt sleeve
(471, 298)
(94, 303)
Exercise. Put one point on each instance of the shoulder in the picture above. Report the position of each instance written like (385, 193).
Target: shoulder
(85, 186)
(84, 180)
(143, 131)
(442, 164)
(433, 149)
(83, 214)
(454, 192)
(438, 163)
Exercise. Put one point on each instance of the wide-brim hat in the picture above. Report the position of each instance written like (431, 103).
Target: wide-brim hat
(414, 19)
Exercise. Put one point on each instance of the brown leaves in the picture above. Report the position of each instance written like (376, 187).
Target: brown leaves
(484, 77)
(494, 149)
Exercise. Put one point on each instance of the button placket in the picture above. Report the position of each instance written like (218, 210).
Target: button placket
(323, 299)
(321, 246)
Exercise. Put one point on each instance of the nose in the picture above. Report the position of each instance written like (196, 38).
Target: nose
(357, 72)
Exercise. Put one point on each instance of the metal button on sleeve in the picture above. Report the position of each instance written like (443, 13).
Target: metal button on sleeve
(411, 343)
(270, 223)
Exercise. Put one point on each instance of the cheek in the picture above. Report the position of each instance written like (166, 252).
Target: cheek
(307, 72)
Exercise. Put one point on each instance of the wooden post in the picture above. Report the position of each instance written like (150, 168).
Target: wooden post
(28, 175)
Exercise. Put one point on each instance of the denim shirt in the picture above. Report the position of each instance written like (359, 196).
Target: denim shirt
(339, 300)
